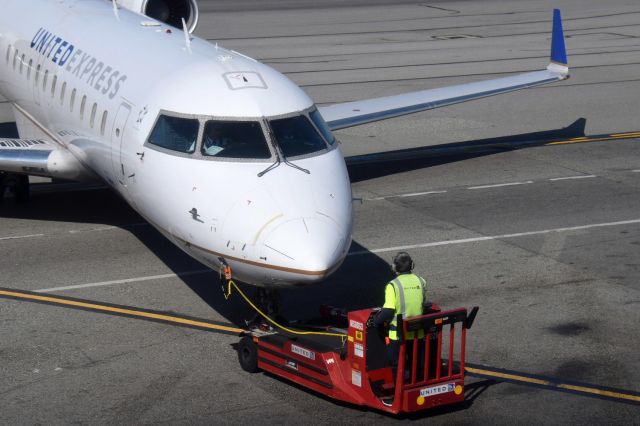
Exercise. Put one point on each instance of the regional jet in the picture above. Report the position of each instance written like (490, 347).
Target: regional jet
(225, 156)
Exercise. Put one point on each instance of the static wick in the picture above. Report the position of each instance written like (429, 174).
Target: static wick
(115, 10)
(187, 38)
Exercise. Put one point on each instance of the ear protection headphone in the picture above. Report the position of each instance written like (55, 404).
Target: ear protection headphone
(402, 259)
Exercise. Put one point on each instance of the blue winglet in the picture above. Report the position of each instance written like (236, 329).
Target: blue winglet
(558, 52)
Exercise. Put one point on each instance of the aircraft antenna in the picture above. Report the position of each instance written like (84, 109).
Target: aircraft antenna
(115, 10)
(187, 38)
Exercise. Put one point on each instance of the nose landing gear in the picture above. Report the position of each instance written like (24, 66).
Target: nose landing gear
(267, 300)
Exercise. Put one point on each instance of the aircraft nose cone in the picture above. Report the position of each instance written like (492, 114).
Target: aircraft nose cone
(313, 245)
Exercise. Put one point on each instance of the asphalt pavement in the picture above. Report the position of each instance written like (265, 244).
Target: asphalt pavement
(526, 204)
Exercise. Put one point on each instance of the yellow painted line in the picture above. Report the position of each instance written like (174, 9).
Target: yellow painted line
(583, 140)
(582, 389)
(508, 376)
(626, 134)
(113, 309)
(600, 392)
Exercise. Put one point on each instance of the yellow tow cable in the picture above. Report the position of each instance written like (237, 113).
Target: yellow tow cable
(316, 333)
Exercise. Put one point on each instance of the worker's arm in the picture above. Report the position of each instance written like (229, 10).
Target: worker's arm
(385, 315)
(423, 283)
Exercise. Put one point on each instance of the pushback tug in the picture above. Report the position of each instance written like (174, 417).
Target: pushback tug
(347, 361)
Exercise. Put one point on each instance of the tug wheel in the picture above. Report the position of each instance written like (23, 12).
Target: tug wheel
(248, 355)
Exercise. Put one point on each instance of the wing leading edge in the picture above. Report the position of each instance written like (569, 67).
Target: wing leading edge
(40, 157)
(349, 114)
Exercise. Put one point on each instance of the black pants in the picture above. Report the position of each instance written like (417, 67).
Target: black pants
(393, 352)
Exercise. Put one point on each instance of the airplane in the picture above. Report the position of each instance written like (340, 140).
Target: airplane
(225, 156)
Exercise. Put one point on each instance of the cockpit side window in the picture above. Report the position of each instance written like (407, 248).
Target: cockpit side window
(234, 139)
(175, 133)
(322, 126)
(297, 136)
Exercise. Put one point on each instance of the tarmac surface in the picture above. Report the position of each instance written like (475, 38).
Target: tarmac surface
(545, 238)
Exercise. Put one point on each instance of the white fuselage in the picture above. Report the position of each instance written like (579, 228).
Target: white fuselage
(97, 85)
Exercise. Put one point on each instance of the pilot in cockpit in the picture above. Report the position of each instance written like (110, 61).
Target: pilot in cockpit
(214, 141)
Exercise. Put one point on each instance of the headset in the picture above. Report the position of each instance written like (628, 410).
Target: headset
(401, 261)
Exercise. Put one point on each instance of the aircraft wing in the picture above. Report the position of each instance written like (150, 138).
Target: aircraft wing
(40, 157)
(28, 156)
(349, 114)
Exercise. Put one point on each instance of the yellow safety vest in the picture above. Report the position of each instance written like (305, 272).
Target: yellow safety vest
(405, 295)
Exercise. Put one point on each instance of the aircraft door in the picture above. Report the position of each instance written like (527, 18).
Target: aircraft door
(117, 140)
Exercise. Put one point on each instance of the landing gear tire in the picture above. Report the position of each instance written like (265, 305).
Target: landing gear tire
(17, 184)
(22, 189)
(269, 302)
(248, 355)
(3, 188)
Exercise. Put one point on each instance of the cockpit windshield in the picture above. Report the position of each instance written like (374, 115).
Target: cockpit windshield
(293, 136)
(296, 136)
(234, 139)
(175, 133)
(322, 126)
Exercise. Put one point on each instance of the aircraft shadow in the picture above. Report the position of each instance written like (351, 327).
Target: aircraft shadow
(363, 275)
(358, 283)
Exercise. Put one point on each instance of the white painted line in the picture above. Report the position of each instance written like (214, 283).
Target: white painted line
(498, 185)
(17, 237)
(103, 228)
(108, 228)
(416, 194)
(77, 231)
(125, 281)
(573, 177)
(413, 194)
(495, 237)
(635, 171)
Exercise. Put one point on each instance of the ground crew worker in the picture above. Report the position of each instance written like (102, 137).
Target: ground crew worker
(404, 295)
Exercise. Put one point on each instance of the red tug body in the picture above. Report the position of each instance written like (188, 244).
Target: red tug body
(355, 368)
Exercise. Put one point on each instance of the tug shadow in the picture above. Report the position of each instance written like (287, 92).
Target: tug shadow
(472, 391)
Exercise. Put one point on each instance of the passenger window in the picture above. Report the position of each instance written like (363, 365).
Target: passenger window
(8, 53)
(44, 80)
(296, 136)
(92, 120)
(29, 69)
(72, 101)
(82, 105)
(15, 58)
(104, 122)
(22, 59)
(37, 74)
(63, 89)
(322, 126)
(234, 139)
(53, 85)
(175, 133)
